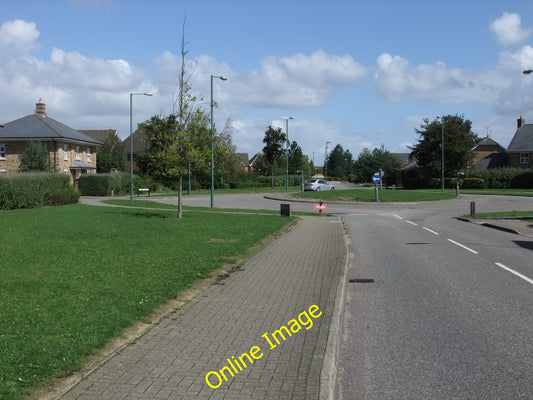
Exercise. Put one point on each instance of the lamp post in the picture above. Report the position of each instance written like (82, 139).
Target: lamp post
(313, 163)
(325, 162)
(442, 153)
(131, 138)
(287, 155)
(222, 78)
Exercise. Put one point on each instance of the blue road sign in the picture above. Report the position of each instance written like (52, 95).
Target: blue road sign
(376, 178)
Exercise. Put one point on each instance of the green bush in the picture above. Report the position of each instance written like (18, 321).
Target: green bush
(523, 180)
(34, 189)
(105, 184)
(64, 196)
(472, 183)
(503, 178)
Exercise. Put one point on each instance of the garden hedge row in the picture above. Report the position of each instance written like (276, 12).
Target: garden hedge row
(114, 184)
(502, 178)
(35, 189)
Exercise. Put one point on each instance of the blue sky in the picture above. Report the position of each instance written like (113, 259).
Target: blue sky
(350, 72)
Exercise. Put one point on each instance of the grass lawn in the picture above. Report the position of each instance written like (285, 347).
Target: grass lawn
(368, 195)
(505, 214)
(162, 206)
(501, 192)
(261, 189)
(73, 277)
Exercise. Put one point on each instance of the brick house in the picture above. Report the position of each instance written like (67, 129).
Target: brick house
(520, 150)
(488, 154)
(69, 151)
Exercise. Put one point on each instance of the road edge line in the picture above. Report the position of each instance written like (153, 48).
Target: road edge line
(328, 374)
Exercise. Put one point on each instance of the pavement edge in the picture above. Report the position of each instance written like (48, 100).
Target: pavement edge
(328, 374)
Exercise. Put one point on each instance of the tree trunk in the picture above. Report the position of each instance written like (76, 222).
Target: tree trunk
(180, 212)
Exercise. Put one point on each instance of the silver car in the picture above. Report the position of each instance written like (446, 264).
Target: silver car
(317, 185)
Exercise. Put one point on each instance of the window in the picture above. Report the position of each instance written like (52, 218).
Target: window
(524, 158)
(88, 154)
(65, 152)
(77, 152)
(2, 151)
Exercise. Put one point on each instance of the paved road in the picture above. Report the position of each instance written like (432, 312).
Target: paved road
(444, 318)
(292, 282)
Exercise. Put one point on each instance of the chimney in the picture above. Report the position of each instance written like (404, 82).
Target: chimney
(40, 108)
(520, 122)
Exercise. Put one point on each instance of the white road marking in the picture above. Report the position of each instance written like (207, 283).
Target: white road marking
(411, 222)
(463, 246)
(397, 216)
(429, 230)
(355, 215)
(512, 271)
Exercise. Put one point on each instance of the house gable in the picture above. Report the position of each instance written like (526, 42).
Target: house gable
(520, 150)
(65, 144)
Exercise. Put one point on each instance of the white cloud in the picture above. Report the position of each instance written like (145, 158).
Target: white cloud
(18, 35)
(296, 82)
(398, 80)
(508, 29)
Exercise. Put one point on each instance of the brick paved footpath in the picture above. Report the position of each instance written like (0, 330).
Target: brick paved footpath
(300, 268)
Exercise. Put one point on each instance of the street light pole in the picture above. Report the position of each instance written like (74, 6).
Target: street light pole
(442, 157)
(222, 78)
(442, 153)
(325, 162)
(131, 138)
(287, 155)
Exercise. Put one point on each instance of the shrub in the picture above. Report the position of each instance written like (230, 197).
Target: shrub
(472, 183)
(104, 184)
(64, 196)
(33, 189)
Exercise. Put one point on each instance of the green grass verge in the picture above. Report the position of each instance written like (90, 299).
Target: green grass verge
(500, 192)
(503, 214)
(261, 189)
(73, 277)
(162, 206)
(366, 195)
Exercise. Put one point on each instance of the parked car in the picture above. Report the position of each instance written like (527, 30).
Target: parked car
(317, 184)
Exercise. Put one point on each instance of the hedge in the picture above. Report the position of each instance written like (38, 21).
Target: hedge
(501, 178)
(35, 189)
(115, 183)
(104, 184)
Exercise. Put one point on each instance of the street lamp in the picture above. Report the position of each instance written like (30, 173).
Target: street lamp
(287, 155)
(131, 138)
(442, 153)
(325, 161)
(222, 78)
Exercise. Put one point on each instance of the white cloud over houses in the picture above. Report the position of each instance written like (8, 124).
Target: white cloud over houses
(397, 80)
(508, 29)
(93, 93)
(299, 81)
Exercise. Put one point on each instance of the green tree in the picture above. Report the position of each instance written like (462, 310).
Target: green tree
(369, 163)
(181, 140)
(111, 155)
(458, 142)
(296, 158)
(34, 157)
(339, 162)
(274, 141)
